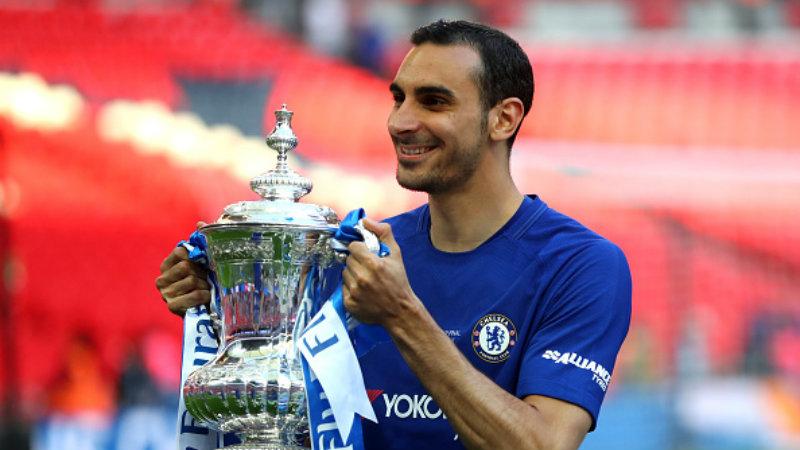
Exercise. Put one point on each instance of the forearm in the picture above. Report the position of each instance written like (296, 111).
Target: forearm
(483, 414)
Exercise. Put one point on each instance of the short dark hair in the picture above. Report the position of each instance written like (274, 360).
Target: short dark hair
(507, 72)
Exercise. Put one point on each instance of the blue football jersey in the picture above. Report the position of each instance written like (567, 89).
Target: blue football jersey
(541, 307)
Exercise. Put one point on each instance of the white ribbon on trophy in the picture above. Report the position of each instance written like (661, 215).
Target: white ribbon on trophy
(200, 345)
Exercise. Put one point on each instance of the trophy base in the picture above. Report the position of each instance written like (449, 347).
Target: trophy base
(257, 446)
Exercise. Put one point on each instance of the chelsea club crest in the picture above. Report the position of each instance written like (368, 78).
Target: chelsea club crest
(493, 338)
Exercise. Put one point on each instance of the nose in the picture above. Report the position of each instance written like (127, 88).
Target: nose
(403, 119)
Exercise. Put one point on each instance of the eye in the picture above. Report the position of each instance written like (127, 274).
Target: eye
(398, 97)
(434, 101)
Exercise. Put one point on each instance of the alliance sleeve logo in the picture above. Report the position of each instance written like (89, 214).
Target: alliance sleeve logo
(600, 375)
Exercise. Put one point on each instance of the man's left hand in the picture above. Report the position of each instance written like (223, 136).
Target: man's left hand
(376, 290)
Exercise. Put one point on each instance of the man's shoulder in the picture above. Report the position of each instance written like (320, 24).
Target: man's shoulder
(561, 236)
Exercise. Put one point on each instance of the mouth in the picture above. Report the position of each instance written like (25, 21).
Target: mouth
(413, 152)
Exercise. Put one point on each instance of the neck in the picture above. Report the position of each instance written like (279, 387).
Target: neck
(464, 218)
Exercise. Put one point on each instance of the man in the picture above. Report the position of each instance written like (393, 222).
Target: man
(505, 316)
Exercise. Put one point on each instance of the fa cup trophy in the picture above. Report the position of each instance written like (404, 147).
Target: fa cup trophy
(269, 256)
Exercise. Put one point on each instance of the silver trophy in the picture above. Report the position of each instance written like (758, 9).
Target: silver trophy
(270, 258)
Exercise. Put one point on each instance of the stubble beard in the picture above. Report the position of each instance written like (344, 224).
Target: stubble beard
(437, 181)
(449, 174)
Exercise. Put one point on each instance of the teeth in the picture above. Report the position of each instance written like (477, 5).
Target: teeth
(415, 150)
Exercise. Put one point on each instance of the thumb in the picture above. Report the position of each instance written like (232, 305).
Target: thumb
(382, 230)
(200, 224)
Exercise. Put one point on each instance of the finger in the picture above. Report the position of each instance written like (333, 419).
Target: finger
(184, 286)
(348, 279)
(350, 292)
(349, 304)
(180, 271)
(177, 255)
(353, 272)
(354, 278)
(383, 231)
(179, 305)
(200, 224)
(175, 273)
(358, 250)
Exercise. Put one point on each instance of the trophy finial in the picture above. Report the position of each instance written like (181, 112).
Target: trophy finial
(281, 183)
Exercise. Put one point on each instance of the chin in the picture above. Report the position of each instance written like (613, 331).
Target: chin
(426, 186)
(413, 183)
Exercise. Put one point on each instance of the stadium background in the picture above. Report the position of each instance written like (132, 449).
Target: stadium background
(670, 126)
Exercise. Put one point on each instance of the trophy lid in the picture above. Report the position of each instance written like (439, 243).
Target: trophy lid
(280, 189)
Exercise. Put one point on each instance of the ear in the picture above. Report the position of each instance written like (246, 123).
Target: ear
(504, 118)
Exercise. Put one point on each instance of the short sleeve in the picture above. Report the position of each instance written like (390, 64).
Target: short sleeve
(572, 352)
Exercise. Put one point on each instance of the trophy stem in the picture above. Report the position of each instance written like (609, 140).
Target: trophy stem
(258, 446)
(262, 446)
(282, 158)
(268, 440)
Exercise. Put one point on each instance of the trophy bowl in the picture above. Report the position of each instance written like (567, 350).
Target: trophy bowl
(270, 258)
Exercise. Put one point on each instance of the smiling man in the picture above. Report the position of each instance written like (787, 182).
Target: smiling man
(505, 316)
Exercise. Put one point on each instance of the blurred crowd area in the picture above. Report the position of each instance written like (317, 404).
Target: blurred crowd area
(374, 33)
(669, 126)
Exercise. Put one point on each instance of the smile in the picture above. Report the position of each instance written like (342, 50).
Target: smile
(413, 150)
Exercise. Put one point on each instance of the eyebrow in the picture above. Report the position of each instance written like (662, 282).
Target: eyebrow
(395, 89)
(424, 90)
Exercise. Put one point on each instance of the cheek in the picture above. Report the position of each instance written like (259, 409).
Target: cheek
(447, 127)
(468, 124)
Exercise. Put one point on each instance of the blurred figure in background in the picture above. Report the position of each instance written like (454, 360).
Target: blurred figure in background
(148, 395)
(81, 404)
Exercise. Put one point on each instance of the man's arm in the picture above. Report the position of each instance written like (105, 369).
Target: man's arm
(484, 415)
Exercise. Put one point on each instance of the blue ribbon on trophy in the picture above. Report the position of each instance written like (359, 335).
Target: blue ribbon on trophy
(329, 341)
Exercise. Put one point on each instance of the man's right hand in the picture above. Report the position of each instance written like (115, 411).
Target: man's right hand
(183, 283)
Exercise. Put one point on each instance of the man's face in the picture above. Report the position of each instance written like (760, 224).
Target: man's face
(437, 123)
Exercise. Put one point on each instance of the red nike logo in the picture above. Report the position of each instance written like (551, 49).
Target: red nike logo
(373, 394)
